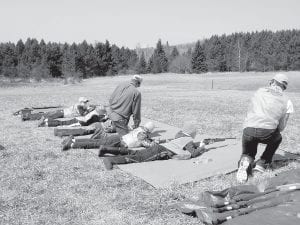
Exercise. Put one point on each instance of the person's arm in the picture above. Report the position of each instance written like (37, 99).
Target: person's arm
(283, 122)
(136, 110)
(145, 140)
(194, 149)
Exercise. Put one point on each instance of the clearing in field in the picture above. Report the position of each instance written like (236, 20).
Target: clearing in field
(40, 184)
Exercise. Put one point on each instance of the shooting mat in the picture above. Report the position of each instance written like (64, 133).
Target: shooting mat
(221, 158)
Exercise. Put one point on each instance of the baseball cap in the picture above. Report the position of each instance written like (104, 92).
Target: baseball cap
(83, 99)
(281, 78)
(137, 78)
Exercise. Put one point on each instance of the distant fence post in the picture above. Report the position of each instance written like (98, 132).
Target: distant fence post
(212, 84)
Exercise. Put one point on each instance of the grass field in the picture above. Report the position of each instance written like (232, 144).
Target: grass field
(40, 184)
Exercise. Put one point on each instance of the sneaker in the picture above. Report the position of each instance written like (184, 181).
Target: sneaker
(67, 143)
(242, 173)
(107, 163)
(261, 166)
(41, 122)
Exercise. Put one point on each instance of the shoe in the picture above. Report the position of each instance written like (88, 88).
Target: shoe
(101, 151)
(242, 173)
(41, 122)
(261, 166)
(67, 143)
(107, 163)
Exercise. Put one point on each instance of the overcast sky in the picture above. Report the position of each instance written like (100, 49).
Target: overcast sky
(129, 22)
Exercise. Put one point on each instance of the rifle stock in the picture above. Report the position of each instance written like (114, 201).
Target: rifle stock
(208, 141)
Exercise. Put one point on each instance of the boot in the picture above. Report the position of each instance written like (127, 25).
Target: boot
(67, 143)
(113, 150)
(110, 161)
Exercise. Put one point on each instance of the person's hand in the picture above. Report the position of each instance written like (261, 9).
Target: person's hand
(202, 145)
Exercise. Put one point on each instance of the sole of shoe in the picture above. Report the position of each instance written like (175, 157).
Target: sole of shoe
(242, 175)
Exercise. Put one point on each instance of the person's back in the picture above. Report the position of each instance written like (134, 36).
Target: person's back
(267, 116)
(267, 107)
(124, 102)
(122, 99)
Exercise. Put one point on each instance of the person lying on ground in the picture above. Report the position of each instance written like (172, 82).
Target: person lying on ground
(267, 116)
(181, 147)
(81, 108)
(97, 115)
(139, 137)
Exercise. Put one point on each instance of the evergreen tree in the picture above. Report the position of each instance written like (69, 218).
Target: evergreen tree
(141, 65)
(10, 61)
(159, 60)
(174, 54)
(198, 61)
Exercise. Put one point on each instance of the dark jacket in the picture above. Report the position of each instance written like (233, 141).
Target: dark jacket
(124, 102)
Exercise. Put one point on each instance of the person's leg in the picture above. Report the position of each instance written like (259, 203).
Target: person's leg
(156, 152)
(272, 141)
(249, 142)
(75, 131)
(68, 122)
(88, 143)
(249, 145)
(54, 114)
(121, 126)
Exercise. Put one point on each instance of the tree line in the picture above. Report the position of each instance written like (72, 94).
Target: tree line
(39, 60)
(255, 51)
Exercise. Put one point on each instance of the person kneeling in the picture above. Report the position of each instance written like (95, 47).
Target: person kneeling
(181, 147)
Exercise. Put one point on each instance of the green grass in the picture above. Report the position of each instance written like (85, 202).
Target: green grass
(42, 185)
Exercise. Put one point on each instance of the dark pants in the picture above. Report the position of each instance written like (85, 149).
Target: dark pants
(56, 123)
(55, 114)
(156, 152)
(121, 126)
(253, 136)
(74, 131)
(111, 140)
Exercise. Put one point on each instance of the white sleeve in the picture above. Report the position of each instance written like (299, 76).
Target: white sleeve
(290, 107)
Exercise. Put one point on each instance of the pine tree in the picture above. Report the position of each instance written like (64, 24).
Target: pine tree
(174, 54)
(159, 60)
(10, 61)
(198, 59)
(141, 65)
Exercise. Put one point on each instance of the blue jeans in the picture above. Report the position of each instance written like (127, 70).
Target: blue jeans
(253, 136)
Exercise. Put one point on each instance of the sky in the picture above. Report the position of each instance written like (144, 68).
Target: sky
(132, 23)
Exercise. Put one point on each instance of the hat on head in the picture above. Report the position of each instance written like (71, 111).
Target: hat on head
(83, 99)
(149, 126)
(281, 78)
(137, 78)
(189, 129)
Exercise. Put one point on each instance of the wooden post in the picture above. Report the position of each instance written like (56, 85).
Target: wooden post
(212, 84)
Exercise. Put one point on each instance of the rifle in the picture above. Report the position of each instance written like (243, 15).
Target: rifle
(35, 108)
(274, 197)
(208, 141)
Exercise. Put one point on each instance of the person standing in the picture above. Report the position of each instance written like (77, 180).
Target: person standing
(124, 102)
(267, 116)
